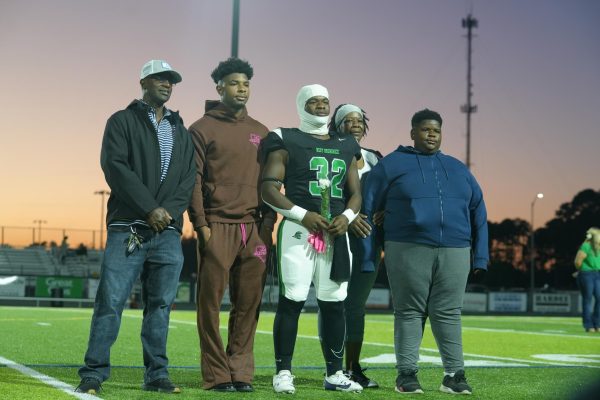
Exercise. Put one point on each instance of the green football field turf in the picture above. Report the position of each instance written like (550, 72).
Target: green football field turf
(506, 357)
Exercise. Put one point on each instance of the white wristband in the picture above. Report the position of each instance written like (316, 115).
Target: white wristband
(349, 214)
(296, 213)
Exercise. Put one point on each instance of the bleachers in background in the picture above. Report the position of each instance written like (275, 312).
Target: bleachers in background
(37, 261)
(82, 266)
(31, 261)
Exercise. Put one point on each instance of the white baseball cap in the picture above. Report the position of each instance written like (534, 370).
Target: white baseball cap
(158, 66)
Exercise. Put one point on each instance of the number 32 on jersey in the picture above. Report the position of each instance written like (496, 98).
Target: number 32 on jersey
(338, 173)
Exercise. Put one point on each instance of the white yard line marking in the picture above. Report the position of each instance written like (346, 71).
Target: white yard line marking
(48, 380)
(425, 349)
(529, 320)
(500, 330)
(505, 359)
(530, 333)
(388, 358)
(577, 358)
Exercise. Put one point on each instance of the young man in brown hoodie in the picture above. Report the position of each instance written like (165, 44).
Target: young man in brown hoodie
(233, 234)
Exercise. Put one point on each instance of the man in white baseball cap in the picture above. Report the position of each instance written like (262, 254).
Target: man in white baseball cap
(162, 67)
(147, 157)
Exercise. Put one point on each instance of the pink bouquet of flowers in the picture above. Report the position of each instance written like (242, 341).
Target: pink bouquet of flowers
(318, 240)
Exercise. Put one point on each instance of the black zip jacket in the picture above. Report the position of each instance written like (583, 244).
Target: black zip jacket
(130, 159)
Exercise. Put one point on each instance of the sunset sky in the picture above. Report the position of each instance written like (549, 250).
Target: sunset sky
(67, 65)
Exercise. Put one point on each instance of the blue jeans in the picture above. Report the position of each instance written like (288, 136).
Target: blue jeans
(589, 283)
(159, 261)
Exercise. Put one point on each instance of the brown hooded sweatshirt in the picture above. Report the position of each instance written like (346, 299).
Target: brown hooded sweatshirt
(228, 169)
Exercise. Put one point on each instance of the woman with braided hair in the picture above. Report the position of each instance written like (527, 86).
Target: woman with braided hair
(351, 119)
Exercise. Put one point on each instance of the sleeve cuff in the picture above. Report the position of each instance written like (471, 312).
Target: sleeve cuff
(368, 266)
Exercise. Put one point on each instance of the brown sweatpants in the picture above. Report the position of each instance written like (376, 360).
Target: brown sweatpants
(229, 259)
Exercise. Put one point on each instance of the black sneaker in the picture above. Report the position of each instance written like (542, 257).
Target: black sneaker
(243, 387)
(162, 385)
(456, 384)
(407, 382)
(223, 387)
(358, 376)
(89, 386)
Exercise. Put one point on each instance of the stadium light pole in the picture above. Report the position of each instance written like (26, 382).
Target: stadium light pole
(102, 193)
(235, 28)
(39, 222)
(532, 253)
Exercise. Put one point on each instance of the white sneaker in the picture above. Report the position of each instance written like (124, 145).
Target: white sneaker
(341, 382)
(283, 382)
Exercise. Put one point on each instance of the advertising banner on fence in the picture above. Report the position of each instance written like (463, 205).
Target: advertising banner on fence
(71, 287)
(12, 286)
(475, 302)
(552, 302)
(92, 288)
(183, 293)
(508, 301)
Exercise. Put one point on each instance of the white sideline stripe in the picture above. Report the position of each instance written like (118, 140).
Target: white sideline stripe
(48, 380)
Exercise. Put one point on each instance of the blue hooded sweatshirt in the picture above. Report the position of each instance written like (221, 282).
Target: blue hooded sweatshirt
(429, 199)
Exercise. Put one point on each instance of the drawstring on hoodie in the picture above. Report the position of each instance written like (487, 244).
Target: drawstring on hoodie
(437, 155)
(417, 153)
(244, 235)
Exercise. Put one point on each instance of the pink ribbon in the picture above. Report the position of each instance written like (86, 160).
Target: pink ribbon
(244, 235)
(317, 241)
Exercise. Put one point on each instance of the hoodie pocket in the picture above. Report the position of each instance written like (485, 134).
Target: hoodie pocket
(457, 220)
(233, 200)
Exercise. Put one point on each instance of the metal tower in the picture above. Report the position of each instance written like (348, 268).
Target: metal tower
(469, 108)
(235, 28)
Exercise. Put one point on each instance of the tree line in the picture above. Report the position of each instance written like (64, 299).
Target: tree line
(556, 244)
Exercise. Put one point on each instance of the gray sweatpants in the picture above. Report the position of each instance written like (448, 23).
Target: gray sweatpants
(426, 282)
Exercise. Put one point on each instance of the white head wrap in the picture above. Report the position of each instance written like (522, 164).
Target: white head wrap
(309, 123)
(343, 111)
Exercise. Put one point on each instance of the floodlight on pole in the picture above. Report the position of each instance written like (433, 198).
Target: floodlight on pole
(532, 252)
(39, 222)
(102, 193)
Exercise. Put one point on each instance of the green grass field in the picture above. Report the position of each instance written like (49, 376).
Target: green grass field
(506, 357)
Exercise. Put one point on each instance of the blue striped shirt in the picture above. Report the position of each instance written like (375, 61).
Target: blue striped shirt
(164, 133)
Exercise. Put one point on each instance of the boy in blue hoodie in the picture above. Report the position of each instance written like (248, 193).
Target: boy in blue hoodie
(435, 231)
